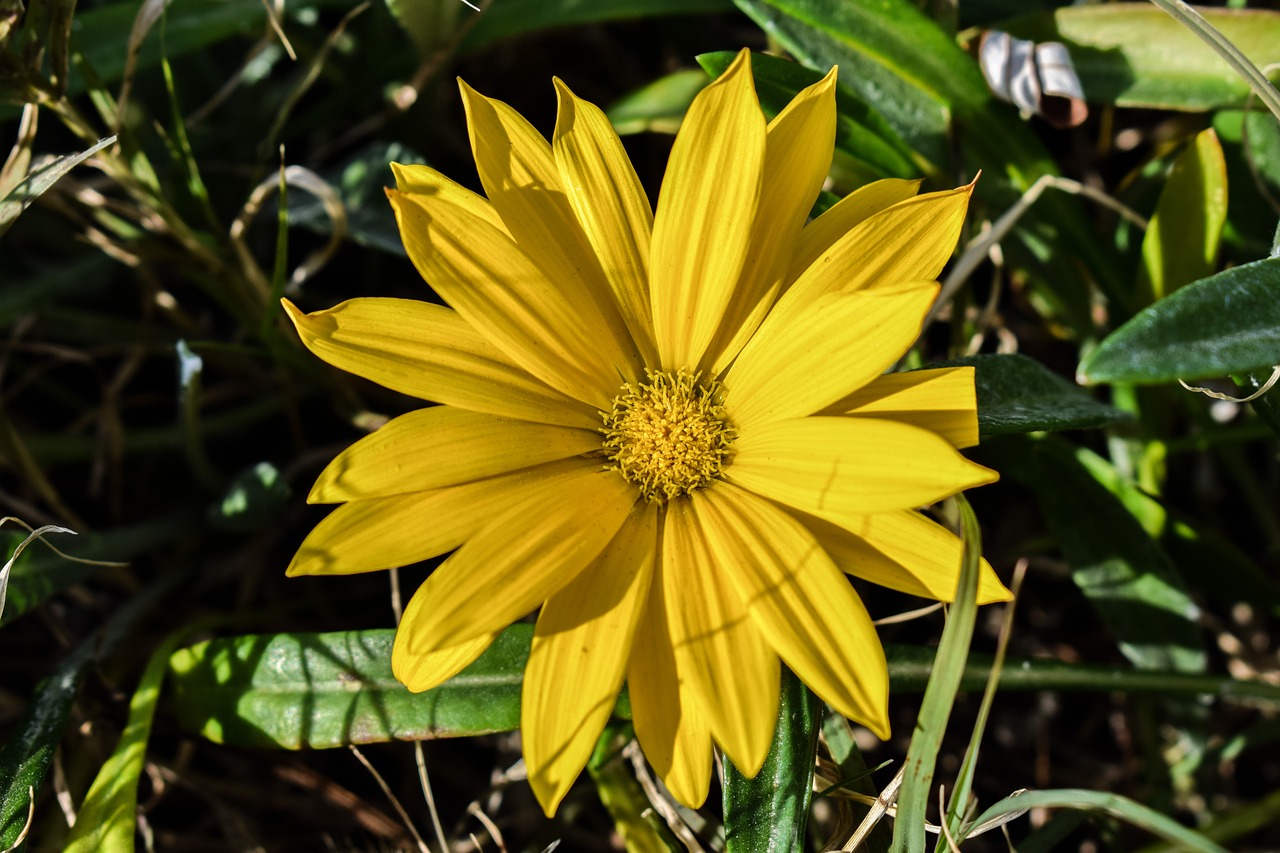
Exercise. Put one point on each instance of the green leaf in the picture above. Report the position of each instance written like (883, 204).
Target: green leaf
(1124, 573)
(1251, 144)
(37, 182)
(658, 107)
(253, 500)
(1017, 394)
(889, 54)
(429, 23)
(769, 813)
(518, 17)
(1135, 55)
(25, 757)
(1112, 804)
(1227, 323)
(1181, 243)
(324, 690)
(940, 694)
(109, 813)
(860, 131)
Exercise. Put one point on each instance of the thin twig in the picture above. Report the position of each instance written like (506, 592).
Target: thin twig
(386, 789)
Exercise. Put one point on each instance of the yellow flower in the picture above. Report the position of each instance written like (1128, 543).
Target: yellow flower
(668, 430)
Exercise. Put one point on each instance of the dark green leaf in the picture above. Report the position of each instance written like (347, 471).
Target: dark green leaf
(889, 55)
(1126, 576)
(429, 25)
(860, 131)
(253, 500)
(769, 813)
(25, 757)
(517, 17)
(1135, 55)
(1227, 323)
(1017, 394)
(326, 690)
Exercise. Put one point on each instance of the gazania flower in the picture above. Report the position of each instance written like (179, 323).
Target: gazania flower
(668, 430)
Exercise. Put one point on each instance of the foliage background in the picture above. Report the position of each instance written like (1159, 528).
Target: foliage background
(152, 400)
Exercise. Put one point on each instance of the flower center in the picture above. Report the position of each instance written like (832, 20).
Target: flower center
(669, 435)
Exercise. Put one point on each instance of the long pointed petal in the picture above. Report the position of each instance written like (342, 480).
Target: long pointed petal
(943, 400)
(910, 241)
(843, 216)
(611, 206)
(505, 297)
(673, 731)
(442, 446)
(835, 344)
(522, 181)
(798, 148)
(702, 227)
(382, 533)
(800, 601)
(526, 553)
(902, 550)
(731, 670)
(424, 671)
(850, 465)
(428, 351)
(417, 178)
(579, 657)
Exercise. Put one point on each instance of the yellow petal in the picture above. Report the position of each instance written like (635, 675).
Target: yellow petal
(579, 657)
(539, 325)
(442, 446)
(850, 465)
(797, 157)
(799, 600)
(611, 206)
(901, 550)
(830, 347)
(428, 351)
(942, 400)
(910, 241)
(364, 536)
(730, 668)
(416, 178)
(841, 218)
(517, 561)
(522, 181)
(420, 672)
(672, 730)
(702, 226)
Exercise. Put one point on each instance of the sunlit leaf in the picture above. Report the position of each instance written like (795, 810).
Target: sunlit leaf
(1181, 243)
(1227, 323)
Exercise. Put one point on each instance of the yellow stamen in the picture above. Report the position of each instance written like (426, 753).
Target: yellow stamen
(669, 435)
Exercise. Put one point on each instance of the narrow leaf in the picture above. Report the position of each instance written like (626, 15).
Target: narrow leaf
(35, 184)
(940, 694)
(1017, 394)
(109, 813)
(1181, 243)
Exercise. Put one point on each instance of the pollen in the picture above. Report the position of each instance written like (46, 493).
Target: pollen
(669, 435)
